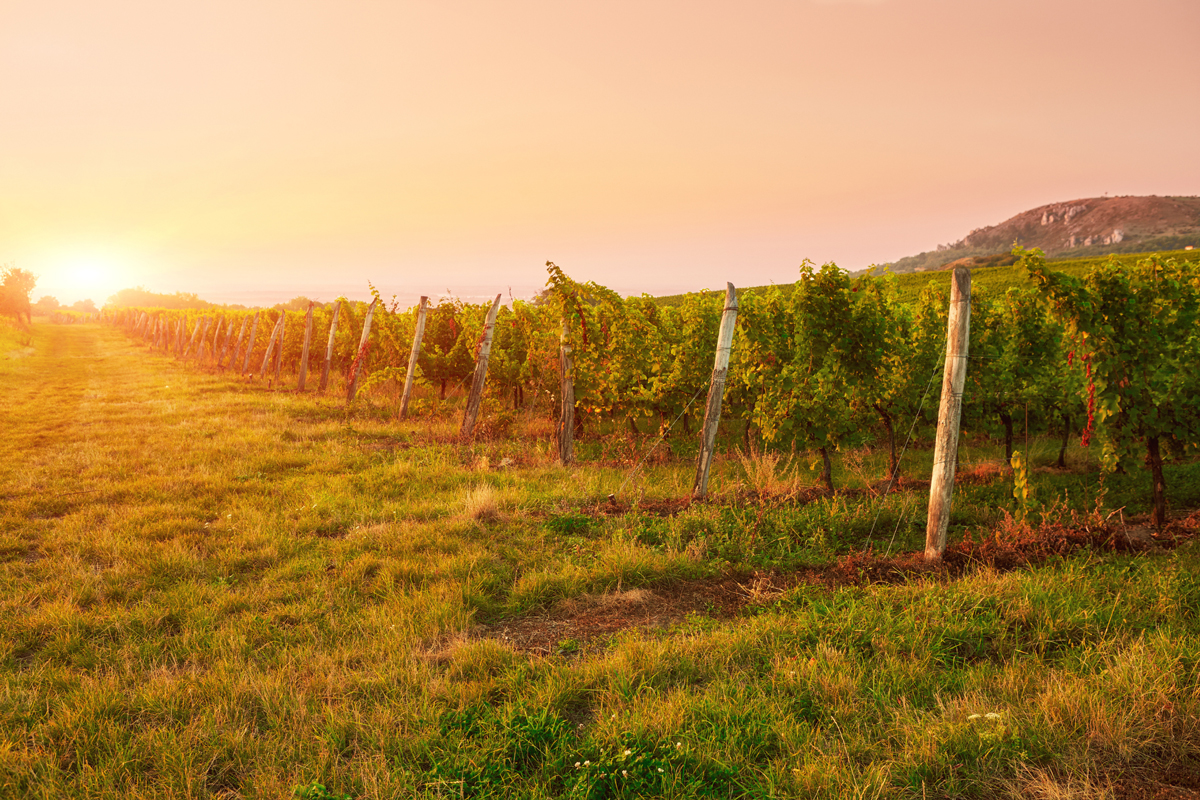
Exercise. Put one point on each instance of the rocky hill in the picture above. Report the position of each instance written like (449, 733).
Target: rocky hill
(1077, 229)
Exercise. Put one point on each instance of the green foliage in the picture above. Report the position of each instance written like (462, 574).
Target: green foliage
(1022, 488)
(318, 791)
(1136, 335)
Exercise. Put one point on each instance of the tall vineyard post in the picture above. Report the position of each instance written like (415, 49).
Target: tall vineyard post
(192, 341)
(279, 351)
(304, 352)
(566, 417)
(716, 390)
(945, 452)
(237, 346)
(216, 344)
(198, 354)
(471, 415)
(337, 307)
(363, 343)
(266, 362)
(250, 344)
(413, 355)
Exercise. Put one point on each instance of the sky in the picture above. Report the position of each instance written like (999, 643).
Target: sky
(257, 151)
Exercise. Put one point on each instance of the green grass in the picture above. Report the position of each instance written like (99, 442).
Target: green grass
(208, 589)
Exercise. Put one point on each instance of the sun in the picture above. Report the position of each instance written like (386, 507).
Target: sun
(90, 275)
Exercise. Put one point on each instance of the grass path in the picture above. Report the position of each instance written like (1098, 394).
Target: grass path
(212, 590)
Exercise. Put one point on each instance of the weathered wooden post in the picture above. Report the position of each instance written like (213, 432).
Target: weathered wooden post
(363, 343)
(198, 336)
(337, 307)
(304, 352)
(237, 347)
(566, 417)
(180, 337)
(279, 351)
(945, 451)
(216, 343)
(471, 415)
(418, 335)
(270, 347)
(716, 391)
(250, 344)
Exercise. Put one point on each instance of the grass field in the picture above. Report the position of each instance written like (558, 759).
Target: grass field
(214, 590)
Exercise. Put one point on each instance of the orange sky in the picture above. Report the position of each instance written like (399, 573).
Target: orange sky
(270, 149)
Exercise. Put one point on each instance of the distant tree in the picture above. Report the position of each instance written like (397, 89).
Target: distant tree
(16, 285)
(85, 306)
(46, 305)
(297, 304)
(141, 297)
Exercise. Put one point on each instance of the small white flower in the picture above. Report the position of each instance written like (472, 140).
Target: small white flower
(587, 763)
(678, 745)
(660, 769)
(576, 765)
(623, 772)
(972, 718)
(627, 752)
(993, 716)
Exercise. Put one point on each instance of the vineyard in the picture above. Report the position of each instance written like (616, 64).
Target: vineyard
(344, 553)
(836, 364)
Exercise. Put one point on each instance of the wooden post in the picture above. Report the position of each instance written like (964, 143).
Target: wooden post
(716, 391)
(216, 345)
(471, 415)
(304, 352)
(279, 352)
(237, 347)
(945, 451)
(270, 346)
(202, 331)
(180, 337)
(250, 344)
(566, 417)
(337, 306)
(418, 335)
(363, 342)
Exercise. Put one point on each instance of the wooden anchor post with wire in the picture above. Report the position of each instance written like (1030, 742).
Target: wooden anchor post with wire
(716, 390)
(413, 355)
(363, 343)
(945, 452)
(481, 364)
(337, 307)
(566, 417)
(304, 351)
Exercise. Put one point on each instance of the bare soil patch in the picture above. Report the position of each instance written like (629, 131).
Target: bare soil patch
(580, 624)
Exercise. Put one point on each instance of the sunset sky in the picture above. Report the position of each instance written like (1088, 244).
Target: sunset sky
(253, 151)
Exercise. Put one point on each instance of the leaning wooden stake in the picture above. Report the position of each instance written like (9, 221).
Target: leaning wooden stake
(237, 347)
(337, 306)
(262, 373)
(566, 417)
(363, 343)
(413, 355)
(216, 345)
(304, 351)
(716, 390)
(198, 354)
(945, 451)
(250, 344)
(471, 415)
(279, 351)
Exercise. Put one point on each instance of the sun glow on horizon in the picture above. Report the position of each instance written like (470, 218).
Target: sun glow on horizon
(83, 275)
